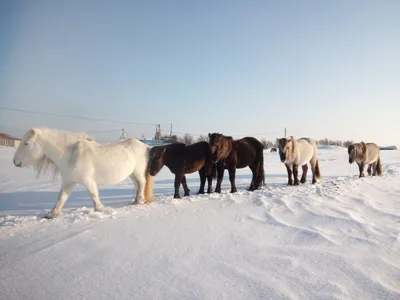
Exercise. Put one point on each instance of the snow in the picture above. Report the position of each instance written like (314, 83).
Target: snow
(338, 239)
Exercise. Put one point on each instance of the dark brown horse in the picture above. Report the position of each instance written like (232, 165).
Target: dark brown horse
(180, 160)
(231, 154)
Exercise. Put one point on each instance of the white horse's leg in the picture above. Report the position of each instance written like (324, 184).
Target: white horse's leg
(66, 189)
(136, 183)
(91, 186)
(141, 182)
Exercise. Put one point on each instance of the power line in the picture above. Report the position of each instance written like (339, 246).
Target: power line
(74, 117)
(102, 131)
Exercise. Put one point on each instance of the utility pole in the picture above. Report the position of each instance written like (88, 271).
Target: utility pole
(170, 132)
(122, 134)
(285, 132)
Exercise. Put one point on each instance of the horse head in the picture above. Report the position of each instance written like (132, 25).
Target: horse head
(351, 150)
(29, 150)
(220, 145)
(156, 162)
(285, 147)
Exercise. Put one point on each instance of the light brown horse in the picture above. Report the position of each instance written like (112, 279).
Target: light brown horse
(298, 152)
(366, 154)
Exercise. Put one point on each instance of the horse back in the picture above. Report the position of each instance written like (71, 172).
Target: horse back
(190, 157)
(305, 149)
(373, 152)
(246, 150)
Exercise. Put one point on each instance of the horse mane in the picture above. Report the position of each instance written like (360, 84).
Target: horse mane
(225, 146)
(43, 164)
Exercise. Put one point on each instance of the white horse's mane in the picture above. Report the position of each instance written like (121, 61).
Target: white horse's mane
(43, 164)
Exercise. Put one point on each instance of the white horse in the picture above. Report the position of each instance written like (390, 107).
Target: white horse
(294, 153)
(81, 160)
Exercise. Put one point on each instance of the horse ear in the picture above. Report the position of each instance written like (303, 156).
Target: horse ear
(33, 131)
(209, 135)
(291, 138)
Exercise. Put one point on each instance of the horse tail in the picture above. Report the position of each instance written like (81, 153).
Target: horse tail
(214, 171)
(317, 170)
(379, 167)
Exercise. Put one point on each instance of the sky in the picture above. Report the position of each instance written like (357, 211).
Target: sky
(319, 68)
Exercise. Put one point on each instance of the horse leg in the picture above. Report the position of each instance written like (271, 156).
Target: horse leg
(304, 175)
(313, 164)
(178, 179)
(137, 186)
(232, 172)
(202, 174)
(369, 169)
(209, 176)
(254, 182)
(185, 187)
(289, 173)
(361, 166)
(66, 189)
(373, 169)
(139, 179)
(91, 186)
(296, 174)
(220, 171)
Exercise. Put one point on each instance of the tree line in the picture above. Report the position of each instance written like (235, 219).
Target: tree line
(188, 139)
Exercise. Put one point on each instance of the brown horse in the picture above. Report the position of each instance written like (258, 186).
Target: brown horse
(180, 160)
(366, 154)
(231, 154)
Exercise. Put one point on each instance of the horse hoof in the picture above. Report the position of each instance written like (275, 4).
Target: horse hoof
(99, 209)
(48, 217)
(51, 215)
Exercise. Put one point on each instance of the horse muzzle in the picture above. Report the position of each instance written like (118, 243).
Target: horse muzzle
(17, 165)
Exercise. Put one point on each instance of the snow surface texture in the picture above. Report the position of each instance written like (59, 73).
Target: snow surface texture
(338, 239)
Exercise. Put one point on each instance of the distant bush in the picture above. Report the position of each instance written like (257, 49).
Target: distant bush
(202, 138)
(267, 144)
(186, 139)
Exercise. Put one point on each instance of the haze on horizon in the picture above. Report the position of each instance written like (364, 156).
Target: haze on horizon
(321, 69)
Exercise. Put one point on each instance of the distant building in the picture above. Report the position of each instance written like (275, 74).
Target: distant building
(8, 140)
(153, 142)
(388, 148)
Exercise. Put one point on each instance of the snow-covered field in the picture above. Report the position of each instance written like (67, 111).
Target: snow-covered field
(338, 239)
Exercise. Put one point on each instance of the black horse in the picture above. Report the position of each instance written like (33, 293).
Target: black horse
(182, 159)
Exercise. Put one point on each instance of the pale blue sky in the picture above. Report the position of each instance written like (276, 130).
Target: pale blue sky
(321, 68)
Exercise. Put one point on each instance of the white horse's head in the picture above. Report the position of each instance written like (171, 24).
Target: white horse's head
(29, 150)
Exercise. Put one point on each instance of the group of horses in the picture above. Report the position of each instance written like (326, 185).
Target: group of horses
(81, 160)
